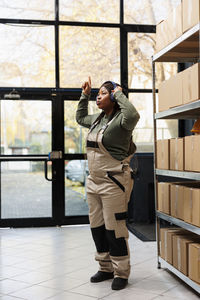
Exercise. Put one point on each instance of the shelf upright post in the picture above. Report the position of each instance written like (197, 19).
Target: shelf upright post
(157, 221)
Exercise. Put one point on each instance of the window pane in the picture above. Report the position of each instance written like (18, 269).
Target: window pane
(143, 133)
(141, 47)
(167, 129)
(27, 56)
(90, 11)
(24, 191)
(76, 172)
(89, 51)
(25, 127)
(23, 9)
(75, 135)
(147, 11)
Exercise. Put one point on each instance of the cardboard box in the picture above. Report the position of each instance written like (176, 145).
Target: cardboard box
(166, 242)
(181, 250)
(192, 206)
(177, 154)
(194, 262)
(170, 93)
(164, 197)
(190, 13)
(196, 207)
(169, 247)
(188, 149)
(161, 37)
(176, 249)
(176, 201)
(184, 203)
(191, 84)
(188, 204)
(170, 29)
(163, 158)
(163, 243)
(192, 158)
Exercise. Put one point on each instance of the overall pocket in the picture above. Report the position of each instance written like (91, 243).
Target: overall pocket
(115, 180)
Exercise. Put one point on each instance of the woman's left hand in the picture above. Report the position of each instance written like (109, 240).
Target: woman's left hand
(118, 88)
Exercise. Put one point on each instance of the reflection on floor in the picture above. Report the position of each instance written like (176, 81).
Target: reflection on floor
(56, 264)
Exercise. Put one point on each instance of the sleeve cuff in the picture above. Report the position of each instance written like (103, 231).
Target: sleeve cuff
(85, 96)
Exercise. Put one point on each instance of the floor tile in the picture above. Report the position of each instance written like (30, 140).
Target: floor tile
(98, 290)
(9, 272)
(154, 286)
(162, 297)
(128, 294)
(8, 298)
(36, 293)
(8, 286)
(165, 276)
(34, 277)
(84, 273)
(63, 283)
(71, 296)
(181, 292)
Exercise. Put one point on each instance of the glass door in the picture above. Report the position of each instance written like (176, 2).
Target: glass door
(26, 140)
(76, 165)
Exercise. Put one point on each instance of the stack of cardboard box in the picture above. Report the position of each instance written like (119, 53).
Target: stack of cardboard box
(182, 88)
(180, 200)
(181, 19)
(181, 249)
(179, 154)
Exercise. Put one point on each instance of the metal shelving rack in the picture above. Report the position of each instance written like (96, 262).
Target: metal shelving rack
(184, 49)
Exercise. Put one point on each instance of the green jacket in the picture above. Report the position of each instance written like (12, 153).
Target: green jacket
(116, 138)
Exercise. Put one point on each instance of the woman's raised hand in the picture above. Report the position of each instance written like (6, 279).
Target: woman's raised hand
(86, 86)
(118, 88)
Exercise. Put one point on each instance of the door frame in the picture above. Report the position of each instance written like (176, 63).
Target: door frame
(57, 98)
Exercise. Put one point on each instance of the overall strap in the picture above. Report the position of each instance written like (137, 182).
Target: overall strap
(106, 125)
(98, 119)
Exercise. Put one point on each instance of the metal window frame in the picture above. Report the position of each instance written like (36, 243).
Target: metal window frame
(58, 96)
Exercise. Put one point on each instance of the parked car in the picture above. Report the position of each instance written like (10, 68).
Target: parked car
(77, 170)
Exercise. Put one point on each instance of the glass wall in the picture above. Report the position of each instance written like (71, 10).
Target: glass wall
(75, 135)
(25, 127)
(141, 47)
(25, 193)
(76, 170)
(87, 52)
(27, 56)
(103, 11)
(147, 11)
(31, 9)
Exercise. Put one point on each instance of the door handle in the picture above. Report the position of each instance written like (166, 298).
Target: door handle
(54, 155)
(46, 170)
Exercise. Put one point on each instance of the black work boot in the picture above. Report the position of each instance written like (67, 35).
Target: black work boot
(101, 276)
(119, 283)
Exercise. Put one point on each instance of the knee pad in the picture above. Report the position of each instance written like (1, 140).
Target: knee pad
(117, 246)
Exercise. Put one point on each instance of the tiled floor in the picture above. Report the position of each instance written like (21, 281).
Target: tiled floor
(56, 263)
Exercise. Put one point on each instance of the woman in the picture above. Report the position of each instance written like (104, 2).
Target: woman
(110, 182)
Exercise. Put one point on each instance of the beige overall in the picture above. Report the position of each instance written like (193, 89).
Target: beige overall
(109, 186)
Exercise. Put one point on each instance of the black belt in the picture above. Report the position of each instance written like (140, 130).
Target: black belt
(92, 144)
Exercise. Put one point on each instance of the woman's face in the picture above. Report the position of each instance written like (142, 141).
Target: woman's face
(103, 99)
